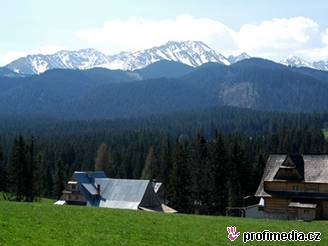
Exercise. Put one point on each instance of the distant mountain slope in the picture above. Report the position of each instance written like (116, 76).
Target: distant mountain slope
(317, 74)
(6, 72)
(42, 93)
(164, 68)
(37, 64)
(192, 53)
(262, 84)
(100, 93)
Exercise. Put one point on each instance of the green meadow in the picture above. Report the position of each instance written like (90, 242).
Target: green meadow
(47, 224)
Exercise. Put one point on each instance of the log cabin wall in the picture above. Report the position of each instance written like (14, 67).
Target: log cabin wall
(276, 205)
(323, 206)
(296, 186)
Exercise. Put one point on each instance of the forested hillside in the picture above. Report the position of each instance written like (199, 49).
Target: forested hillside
(207, 159)
(164, 87)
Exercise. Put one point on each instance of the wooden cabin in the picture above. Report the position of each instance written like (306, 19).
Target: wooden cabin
(72, 194)
(295, 187)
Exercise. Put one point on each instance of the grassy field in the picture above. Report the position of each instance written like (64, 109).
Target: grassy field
(46, 224)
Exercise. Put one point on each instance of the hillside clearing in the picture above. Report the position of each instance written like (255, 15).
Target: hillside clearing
(45, 224)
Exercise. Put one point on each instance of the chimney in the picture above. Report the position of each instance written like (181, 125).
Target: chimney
(98, 189)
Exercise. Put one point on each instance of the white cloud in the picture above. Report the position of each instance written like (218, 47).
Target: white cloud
(325, 37)
(138, 33)
(271, 38)
(48, 49)
(279, 36)
(10, 56)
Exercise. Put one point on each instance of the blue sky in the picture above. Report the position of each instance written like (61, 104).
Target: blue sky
(263, 28)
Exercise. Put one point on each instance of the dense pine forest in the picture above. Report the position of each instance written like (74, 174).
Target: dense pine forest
(207, 159)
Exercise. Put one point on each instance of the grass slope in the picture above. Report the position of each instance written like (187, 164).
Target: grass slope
(45, 224)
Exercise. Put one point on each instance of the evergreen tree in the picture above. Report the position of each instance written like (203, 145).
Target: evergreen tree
(38, 172)
(30, 176)
(220, 172)
(3, 172)
(17, 169)
(260, 165)
(104, 160)
(200, 176)
(165, 162)
(59, 179)
(236, 178)
(179, 186)
(149, 170)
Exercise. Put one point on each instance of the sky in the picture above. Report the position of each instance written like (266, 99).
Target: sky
(269, 29)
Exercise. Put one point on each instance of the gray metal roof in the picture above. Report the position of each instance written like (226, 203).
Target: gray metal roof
(87, 179)
(315, 169)
(122, 193)
(114, 193)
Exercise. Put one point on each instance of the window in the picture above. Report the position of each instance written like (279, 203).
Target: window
(312, 187)
(295, 187)
(306, 211)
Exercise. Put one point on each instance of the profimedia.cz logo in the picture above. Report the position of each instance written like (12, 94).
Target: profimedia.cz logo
(269, 236)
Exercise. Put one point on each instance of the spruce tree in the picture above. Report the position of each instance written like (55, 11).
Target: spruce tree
(103, 161)
(165, 162)
(149, 170)
(59, 180)
(179, 186)
(37, 176)
(18, 169)
(200, 175)
(3, 172)
(30, 173)
(220, 171)
(239, 175)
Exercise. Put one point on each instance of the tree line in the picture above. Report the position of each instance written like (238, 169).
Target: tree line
(202, 173)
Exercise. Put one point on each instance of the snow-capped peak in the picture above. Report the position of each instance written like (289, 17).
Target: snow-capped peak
(80, 59)
(295, 61)
(240, 57)
(193, 53)
(321, 65)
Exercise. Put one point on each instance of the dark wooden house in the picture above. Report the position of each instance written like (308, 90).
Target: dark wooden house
(295, 187)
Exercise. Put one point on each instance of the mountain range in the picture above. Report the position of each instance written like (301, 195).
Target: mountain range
(295, 61)
(191, 53)
(164, 86)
